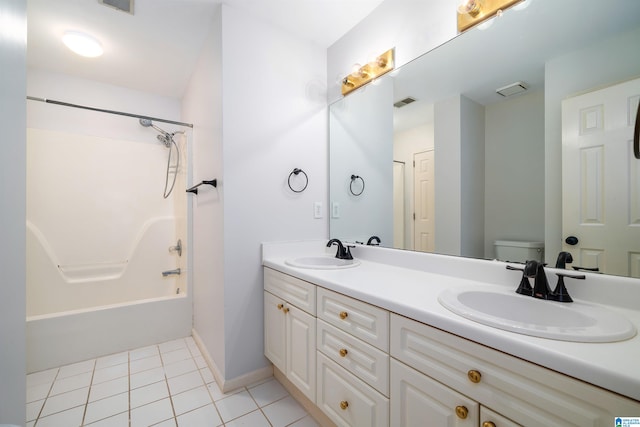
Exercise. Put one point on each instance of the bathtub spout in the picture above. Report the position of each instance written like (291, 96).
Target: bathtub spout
(170, 272)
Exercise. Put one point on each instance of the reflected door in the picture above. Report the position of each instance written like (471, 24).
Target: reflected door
(601, 179)
(423, 189)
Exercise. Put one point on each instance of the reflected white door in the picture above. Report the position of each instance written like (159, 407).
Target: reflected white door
(423, 190)
(601, 179)
(398, 205)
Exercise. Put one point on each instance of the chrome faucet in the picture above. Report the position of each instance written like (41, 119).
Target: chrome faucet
(343, 251)
(171, 272)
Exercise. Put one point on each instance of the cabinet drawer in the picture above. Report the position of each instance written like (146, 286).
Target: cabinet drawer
(487, 416)
(362, 320)
(295, 291)
(521, 391)
(361, 359)
(346, 400)
(417, 400)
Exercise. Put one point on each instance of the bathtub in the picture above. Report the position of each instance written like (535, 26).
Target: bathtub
(62, 338)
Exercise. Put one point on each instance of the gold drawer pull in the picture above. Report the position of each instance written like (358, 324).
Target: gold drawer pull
(280, 306)
(343, 352)
(286, 310)
(343, 315)
(474, 376)
(462, 412)
(488, 424)
(344, 405)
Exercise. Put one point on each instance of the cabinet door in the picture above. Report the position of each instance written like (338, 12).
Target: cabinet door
(417, 401)
(274, 331)
(301, 350)
(489, 418)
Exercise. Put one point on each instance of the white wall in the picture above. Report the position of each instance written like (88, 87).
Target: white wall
(361, 129)
(13, 35)
(405, 144)
(447, 175)
(514, 186)
(202, 105)
(413, 27)
(264, 116)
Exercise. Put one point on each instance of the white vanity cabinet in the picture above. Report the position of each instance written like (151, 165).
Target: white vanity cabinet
(353, 361)
(290, 328)
(517, 390)
(365, 366)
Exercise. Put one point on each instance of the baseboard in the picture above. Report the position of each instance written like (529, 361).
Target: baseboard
(227, 385)
(303, 400)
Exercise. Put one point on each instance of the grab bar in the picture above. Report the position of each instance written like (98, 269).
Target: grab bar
(194, 189)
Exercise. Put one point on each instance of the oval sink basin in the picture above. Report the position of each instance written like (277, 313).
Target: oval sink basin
(576, 321)
(322, 262)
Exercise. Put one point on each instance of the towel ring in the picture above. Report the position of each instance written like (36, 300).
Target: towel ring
(297, 171)
(353, 179)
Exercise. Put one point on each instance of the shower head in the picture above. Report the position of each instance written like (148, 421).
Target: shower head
(164, 137)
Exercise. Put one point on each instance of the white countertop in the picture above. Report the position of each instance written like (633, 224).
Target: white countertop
(412, 290)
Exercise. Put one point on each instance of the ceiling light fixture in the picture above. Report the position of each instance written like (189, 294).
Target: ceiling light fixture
(82, 44)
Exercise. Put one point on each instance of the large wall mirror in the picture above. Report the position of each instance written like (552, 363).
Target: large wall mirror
(487, 164)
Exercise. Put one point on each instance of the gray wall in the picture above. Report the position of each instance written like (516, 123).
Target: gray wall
(13, 38)
(514, 143)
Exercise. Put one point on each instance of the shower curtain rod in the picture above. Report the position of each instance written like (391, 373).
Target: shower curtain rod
(120, 113)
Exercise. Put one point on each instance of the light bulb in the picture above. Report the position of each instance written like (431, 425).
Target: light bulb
(471, 7)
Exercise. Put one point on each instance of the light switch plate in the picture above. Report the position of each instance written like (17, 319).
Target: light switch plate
(317, 210)
(335, 210)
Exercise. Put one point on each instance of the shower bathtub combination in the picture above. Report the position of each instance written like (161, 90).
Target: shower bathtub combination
(107, 257)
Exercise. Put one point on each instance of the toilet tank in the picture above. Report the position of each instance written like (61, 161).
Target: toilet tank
(518, 251)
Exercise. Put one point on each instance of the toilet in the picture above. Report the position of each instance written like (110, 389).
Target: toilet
(519, 251)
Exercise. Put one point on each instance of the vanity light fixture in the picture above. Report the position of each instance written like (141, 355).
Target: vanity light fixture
(473, 12)
(82, 44)
(368, 72)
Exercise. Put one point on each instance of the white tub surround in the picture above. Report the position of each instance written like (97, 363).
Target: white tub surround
(63, 338)
(408, 283)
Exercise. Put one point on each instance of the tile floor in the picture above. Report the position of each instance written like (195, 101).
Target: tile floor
(160, 385)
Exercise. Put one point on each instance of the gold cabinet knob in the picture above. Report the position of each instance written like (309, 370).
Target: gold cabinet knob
(462, 412)
(343, 315)
(280, 306)
(474, 376)
(488, 424)
(343, 352)
(286, 310)
(344, 405)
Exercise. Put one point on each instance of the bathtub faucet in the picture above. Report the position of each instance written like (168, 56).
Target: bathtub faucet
(170, 272)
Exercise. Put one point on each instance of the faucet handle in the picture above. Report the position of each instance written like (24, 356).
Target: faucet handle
(524, 287)
(560, 293)
(347, 251)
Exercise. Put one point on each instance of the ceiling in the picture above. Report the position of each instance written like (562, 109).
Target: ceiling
(156, 48)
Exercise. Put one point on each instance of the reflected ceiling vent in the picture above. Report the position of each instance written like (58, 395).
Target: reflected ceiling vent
(123, 5)
(512, 89)
(408, 100)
